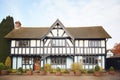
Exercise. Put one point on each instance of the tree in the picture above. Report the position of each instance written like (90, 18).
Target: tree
(116, 49)
(5, 27)
(8, 62)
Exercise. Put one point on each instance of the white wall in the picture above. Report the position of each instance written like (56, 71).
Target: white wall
(69, 62)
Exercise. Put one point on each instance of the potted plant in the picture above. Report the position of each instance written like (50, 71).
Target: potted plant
(90, 71)
(3, 69)
(58, 71)
(102, 71)
(97, 71)
(19, 71)
(42, 71)
(29, 72)
(111, 70)
(76, 67)
(47, 68)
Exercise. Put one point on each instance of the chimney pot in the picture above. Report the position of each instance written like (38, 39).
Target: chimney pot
(17, 24)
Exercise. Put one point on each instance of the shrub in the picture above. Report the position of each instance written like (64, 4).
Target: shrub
(58, 69)
(42, 69)
(84, 71)
(13, 71)
(111, 68)
(76, 66)
(54, 71)
(64, 70)
(8, 62)
(2, 67)
(20, 69)
(91, 71)
(47, 67)
(97, 68)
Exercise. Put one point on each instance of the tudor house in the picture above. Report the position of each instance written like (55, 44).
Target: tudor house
(60, 46)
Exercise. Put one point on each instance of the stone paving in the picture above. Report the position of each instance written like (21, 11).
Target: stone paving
(39, 77)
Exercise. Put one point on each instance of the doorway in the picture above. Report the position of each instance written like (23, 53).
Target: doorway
(37, 63)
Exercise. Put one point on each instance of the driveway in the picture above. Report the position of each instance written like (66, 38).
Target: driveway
(38, 77)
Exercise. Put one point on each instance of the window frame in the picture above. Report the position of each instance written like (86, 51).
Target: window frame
(58, 60)
(90, 60)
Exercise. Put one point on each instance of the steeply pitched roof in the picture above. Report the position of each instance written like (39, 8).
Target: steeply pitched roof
(77, 32)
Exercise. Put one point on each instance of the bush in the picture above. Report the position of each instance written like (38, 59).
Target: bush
(84, 71)
(97, 68)
(47, 67)
(8, 62)
(2, 67)
(13, 71)
(58, 69)
(111, 68)
(76, 66)
(91, 71)
(64, 70)
(42, 69)
(20, 69)
(53, 70)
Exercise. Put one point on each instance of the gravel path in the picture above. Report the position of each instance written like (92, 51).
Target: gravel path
(37, 77)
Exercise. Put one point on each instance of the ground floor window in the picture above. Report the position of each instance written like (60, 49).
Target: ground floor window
(58, 60)
(90, 60)
(26, 60)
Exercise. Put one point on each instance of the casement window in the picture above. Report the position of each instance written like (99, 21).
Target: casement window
(94, 43)
(26, 60)
(58, 60)
(58, 42)
(90, 60)
(22, 43)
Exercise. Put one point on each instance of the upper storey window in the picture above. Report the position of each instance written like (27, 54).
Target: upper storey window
(58, 42)
(22, 43)
(94, 43)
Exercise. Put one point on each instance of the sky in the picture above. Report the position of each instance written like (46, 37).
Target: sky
(72, 13)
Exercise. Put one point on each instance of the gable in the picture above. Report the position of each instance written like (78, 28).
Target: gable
(57, 30)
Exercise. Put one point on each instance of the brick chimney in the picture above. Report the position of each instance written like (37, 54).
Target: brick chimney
(17, 24)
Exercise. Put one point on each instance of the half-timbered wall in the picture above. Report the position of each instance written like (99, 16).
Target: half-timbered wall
(27, 47)
(58, 48)
(90, 53)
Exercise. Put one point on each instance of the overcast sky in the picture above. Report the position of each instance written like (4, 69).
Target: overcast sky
(75, 13)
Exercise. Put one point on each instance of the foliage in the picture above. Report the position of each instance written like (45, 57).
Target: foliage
(20, 69)
(101, 69)
(8, 62)
(116, 49)
(42, 69)
(84, 71)
(47, 67)
(5, 27)
(64, 70)
(13, 71)
(37, 71)
(76, 66)
(111, 68)
(53, 70)
(97, 68)
(2, 67)
(58, 69)
(91, 71)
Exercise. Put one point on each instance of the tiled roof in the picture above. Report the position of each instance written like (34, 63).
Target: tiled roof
(77, 32)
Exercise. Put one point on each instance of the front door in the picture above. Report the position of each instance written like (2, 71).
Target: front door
(37, 63)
